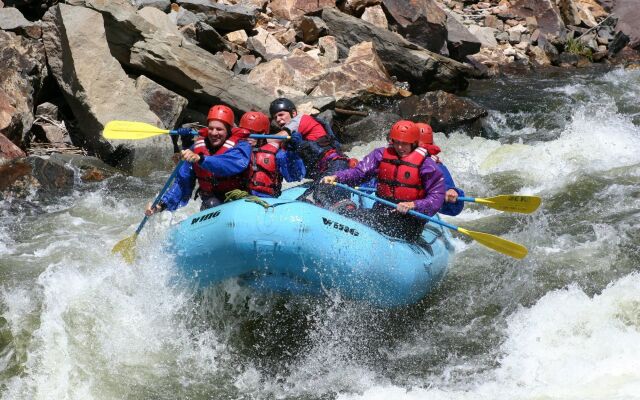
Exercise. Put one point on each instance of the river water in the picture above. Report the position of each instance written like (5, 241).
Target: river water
(564, 323)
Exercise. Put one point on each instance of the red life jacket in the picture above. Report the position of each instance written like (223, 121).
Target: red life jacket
(211, 185)
(264, 175)
(399, 178)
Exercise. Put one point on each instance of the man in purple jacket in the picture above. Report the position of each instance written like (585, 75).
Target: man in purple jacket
(406, 175)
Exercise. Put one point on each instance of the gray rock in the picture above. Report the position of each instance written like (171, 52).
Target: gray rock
(52, 173)
(11, 19)
(48, 110)
(83, 163)
(618, 42)
(97, 88)
(548, 17)
(222, 16)
(210, 40)
(266, 45)
(460, 42)
(162, 5)
(136, 43)
(421, 22)
(485, 35)
(514, 36)
(164, 103)
(45, 132)
(375, 126)
(568, 59)
(549, 49)
(502, 37)
(444, 111)
(628, 13)
(186, 17)
(309, 29)
(606, 33)
(246, 63)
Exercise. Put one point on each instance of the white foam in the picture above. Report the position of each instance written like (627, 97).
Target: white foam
(105, 321)
(566, 346)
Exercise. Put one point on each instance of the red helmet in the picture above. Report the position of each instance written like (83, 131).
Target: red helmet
(222, 114)
(255, 122)
(426, 134)
(405, 131)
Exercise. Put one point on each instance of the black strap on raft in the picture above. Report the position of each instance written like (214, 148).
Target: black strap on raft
(399, 162)
(399, 184)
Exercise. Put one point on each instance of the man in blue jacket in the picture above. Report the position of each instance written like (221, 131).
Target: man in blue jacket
(217, 161)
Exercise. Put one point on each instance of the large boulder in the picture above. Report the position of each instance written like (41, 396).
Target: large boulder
(22, 72)
(53, 174)
(628, 14)
(460, 41)
(164, 103)
(291, 9)
(420, 21)
(210, 40)
(424, 70)
(198, 73)
(97, 88)
(375, 15)
(375, 126)
(160, 20)
(362, 73)
(309, 29)
(485, 35)
(546, 12)
(292, 76)
(266, 45)
(223, 16)
(444, 111)
(11, 19)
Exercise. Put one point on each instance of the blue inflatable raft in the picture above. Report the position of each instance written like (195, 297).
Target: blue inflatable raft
(299, 248)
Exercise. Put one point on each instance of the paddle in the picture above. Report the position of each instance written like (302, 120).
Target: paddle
(508, 202)
(126, 247)
(496, 243)
(129, 130)
(505, 202)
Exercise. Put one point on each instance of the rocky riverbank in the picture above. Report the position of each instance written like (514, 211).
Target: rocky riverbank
(70, 67)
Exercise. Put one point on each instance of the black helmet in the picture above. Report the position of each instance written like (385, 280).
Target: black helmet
(281, 104)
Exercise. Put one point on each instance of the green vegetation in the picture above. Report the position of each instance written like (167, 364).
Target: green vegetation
(578, 48)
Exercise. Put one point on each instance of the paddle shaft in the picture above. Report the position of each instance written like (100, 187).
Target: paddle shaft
(252, 136)
(157, 200)
(496, 243)
(394, 205)
(260, 136)
(509, 203)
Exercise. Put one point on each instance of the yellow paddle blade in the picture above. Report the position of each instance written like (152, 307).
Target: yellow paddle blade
(126, 248)
(512, 203)
(497, 243)
(129, 130)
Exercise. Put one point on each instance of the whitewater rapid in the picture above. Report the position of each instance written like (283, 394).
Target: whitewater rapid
(564, 323)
